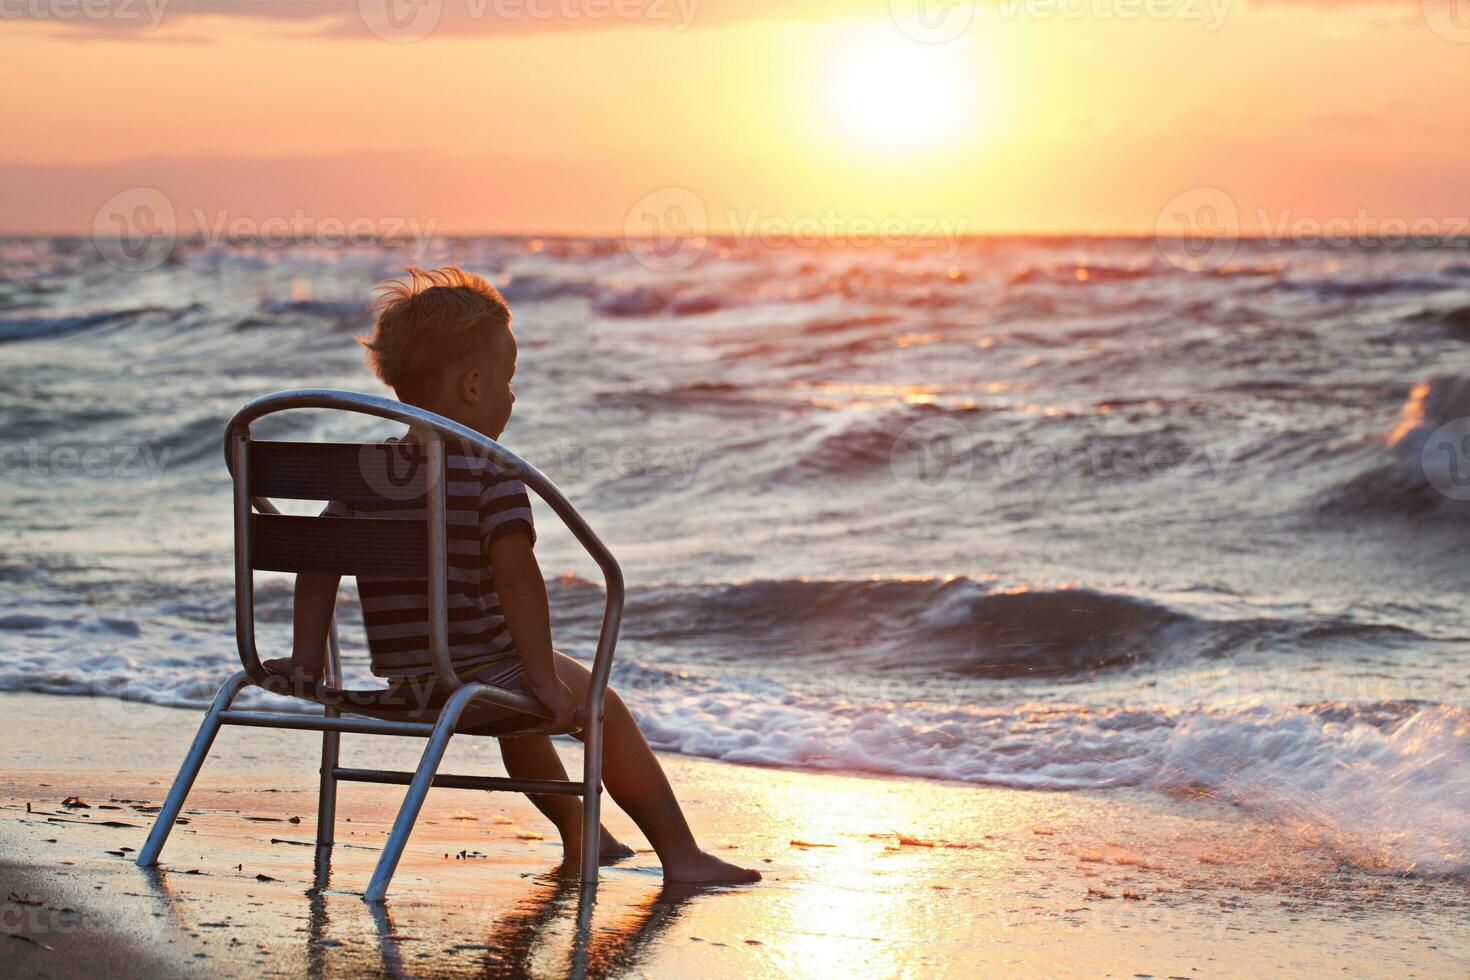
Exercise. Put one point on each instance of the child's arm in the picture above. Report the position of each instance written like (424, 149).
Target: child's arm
(522, 592)
(313, 607)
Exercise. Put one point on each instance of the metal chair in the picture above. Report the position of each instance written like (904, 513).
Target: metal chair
(265, 539)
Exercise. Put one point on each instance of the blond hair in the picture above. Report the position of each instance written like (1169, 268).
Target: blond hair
(430, 322)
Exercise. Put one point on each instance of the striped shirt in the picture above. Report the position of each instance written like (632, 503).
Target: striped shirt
(484, 504)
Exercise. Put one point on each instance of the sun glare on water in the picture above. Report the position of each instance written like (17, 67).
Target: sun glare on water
(887, 92)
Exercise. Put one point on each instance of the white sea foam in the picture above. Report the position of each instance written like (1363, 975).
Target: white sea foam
(1386, 784)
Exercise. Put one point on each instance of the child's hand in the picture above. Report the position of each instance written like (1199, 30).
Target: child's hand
(558, 699)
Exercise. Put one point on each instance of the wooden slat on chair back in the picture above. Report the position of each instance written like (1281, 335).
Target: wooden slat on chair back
(394, 473)
(339, 546)
(350, 472)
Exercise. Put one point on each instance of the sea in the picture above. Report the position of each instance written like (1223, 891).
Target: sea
(1071, 514)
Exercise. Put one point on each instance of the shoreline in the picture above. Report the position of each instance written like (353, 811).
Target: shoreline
(863, 874)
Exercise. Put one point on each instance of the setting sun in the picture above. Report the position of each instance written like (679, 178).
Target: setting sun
(887, 92)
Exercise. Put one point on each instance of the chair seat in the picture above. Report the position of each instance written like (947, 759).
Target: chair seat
(509, 713)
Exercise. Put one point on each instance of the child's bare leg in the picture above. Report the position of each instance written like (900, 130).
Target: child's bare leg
(534, 757)
(636, 781)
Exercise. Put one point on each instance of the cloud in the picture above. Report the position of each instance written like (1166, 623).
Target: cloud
(409, 20)
(397, 20)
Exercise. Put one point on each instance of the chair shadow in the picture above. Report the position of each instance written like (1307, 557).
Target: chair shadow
(615, 948)
(317, 952)
(517, 941)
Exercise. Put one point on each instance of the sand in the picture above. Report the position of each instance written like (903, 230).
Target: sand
(863, 876)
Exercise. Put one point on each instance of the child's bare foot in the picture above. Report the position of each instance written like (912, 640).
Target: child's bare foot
(613, 850)
(609, 849)
(707, 869)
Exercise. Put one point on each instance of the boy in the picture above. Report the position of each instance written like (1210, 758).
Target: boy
(443, 342)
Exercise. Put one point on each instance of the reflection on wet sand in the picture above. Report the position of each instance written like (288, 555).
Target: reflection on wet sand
(316, 947)
(532, 938)
(522, 938)
(552, 926)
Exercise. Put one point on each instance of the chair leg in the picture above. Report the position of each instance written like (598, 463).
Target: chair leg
(592, 802)
(163, 824)
(326, 809)
(418, 788)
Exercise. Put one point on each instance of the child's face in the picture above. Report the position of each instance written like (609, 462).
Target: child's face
(490, 395)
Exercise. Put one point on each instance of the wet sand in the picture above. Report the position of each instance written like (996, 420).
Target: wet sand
(863, 876)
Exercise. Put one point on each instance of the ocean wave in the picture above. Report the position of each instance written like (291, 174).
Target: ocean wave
(191, 441)
(955, 625)
(350, 314)
(45, 328)
(638, 301)
(562, 249)
(847, 443)
(26, 622)
(530, 287)
(650, 300)
(706, 396)
(1407, 474)
(1361, 288)
(824, 325)
(1088, 273)
(1454, 318)
(23, 294)
(1247, 270)
(325, 308)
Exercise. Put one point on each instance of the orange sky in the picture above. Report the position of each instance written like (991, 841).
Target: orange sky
(1037, 115)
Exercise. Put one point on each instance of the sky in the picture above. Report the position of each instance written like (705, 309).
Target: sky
(608, 116)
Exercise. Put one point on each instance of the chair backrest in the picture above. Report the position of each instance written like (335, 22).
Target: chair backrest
(408, 474)
(349, 473)
(389, 473)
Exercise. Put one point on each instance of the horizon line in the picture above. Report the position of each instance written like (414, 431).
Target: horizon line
(199, 238)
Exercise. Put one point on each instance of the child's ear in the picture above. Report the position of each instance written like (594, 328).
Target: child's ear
(469, 386)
